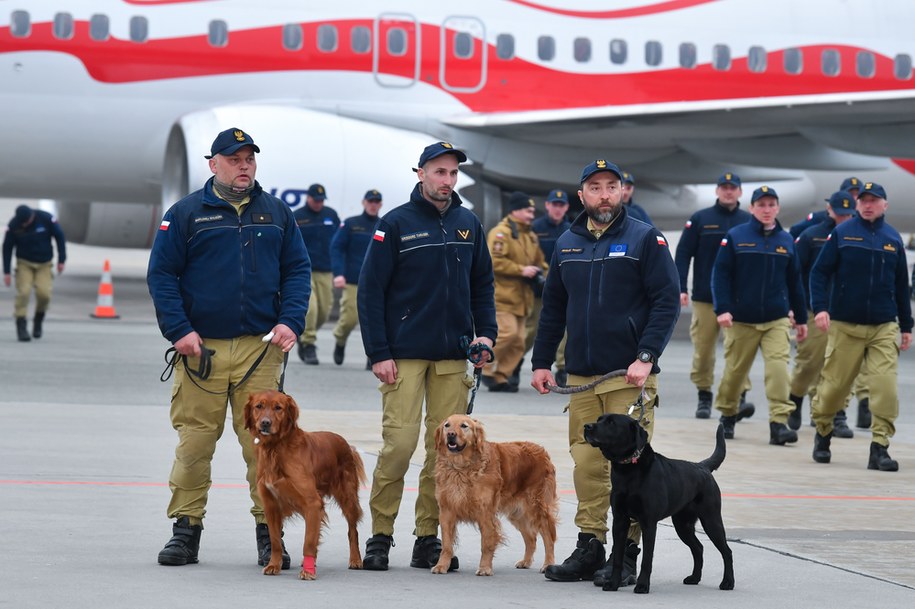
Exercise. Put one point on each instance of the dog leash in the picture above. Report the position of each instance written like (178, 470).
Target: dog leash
(591, 385)
(475, 353)
(206, 367)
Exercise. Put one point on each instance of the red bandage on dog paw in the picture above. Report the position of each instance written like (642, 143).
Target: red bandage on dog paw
(308, 564)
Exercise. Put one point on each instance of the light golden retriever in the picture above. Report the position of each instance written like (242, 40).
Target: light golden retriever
(476, 481)
(296, 471)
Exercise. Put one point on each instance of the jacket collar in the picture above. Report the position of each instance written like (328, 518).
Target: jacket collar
(210, 198)
(417, 198)
(580, 224)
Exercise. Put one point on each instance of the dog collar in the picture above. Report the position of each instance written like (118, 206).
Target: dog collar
(633, 458)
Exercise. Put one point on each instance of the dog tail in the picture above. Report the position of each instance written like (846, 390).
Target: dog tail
(360, 468)
(717, 458)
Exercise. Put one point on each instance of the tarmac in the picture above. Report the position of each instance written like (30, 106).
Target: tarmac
(88, 447)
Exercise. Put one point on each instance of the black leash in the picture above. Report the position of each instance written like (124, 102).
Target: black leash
(206, 367)
(592, 384)
(475, 353)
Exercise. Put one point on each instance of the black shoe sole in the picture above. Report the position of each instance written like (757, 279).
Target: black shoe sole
(372, 565)
(176, 561)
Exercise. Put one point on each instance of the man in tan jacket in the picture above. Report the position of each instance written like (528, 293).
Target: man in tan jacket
(517, 263)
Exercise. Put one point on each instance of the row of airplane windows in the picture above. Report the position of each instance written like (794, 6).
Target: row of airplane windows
(397, 44)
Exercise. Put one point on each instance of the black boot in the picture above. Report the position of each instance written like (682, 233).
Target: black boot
(36, 324)
(309, 355)
(515, 378)
(602, 575)
(339, 352)
(864, 414)
(727, 424)
(880, 459)
(780, 434)
(840, 428)
(821, 452)
(794, 419)
(22, 332)
(588, 557)
(426, 552)
(561, 377)
(745, 409)
(264, 546)
(376, 552)
(182, 548)
(704, 408)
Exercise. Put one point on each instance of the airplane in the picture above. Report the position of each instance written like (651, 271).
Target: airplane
(107, 107)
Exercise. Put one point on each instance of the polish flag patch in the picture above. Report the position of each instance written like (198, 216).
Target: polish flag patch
(724, 242)
(164, 225)
(662, 241)
(689, 223)
(379, 235)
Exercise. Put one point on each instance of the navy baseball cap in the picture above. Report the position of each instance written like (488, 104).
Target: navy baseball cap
(438, 149)
(558, 196)
(729, 178)
(520, 200)
(849, 183)
(316, 191)
(372, 195)
(871, 188)
(23, 213)
(763, 191)
(230, 140)
(598, 166)
(842, 203)
(628, 178)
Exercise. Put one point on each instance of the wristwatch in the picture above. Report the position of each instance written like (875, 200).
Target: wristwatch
(646, 357)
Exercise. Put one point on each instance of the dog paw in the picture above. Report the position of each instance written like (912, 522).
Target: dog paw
(692, 580)
(272, 569)
(440, 569)
(642, 588)
(611, 587)
(484, 571)
(726, 584)
(307, 576)
(526, 564)
(355, 564)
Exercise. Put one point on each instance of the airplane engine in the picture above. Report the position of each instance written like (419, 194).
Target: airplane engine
(107, 224)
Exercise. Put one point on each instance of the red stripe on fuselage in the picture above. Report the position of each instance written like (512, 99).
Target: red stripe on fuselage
(512, 85)
(622, 13)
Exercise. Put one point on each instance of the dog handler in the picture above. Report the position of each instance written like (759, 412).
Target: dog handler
(227, 267)
(613, 285)
(426, 284)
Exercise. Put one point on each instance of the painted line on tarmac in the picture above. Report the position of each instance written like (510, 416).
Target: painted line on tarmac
(414, 489)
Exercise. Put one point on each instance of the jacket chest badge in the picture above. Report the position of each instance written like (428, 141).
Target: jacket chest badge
(463, 234)
(616, 250)
(781, 250)
(889, 247)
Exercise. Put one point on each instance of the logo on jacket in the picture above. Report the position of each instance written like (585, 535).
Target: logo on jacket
(212, 218)
(889, 247)
(616, 250)
(781, 250)
(464, 234)
(414, 236)
(662, 241)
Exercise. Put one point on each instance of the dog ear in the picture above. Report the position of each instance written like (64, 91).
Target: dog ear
(249, 412)
(291, 420)
(479, 433)
(440, 435)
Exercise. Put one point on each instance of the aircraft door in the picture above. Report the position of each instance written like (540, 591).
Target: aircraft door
(462, 47)
(396, 50)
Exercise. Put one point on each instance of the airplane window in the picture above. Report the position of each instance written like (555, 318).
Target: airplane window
(902, 66)
(139, 29)
(546, 48)
(582, 50)
(63, 26)
(618, 51)
(20, 24)
(293, 38)
(794, 61)
(830, 62)
(865, 64)
(397, 41)
(360, 39)
(757, 60)
(99, 27)
(687, 55)
(327, 38)
(219, 33)
(505, 46)
(463, 45)
(653, 53)
(721, 57)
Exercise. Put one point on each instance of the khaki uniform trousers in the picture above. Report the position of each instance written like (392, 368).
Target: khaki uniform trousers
(808, 364)
(199, 417)
(349, 314)
(741, 342)
(32, 275)
(845, 351)
(509, 348)
(530, 330)
(319, 305)
(444, 385)
(703, 332)
(591, 474)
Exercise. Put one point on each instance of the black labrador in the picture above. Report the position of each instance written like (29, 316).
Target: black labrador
(649, 487)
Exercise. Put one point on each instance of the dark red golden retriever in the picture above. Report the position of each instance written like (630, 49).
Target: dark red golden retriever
(296, 470)
(476, 481)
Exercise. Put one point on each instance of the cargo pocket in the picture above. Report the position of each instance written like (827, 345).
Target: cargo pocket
(390, 413)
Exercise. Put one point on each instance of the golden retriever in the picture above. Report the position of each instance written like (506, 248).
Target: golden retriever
(296, 470)
(476, 481)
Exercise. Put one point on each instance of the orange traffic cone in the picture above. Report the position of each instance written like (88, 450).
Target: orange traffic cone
(105, 307)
